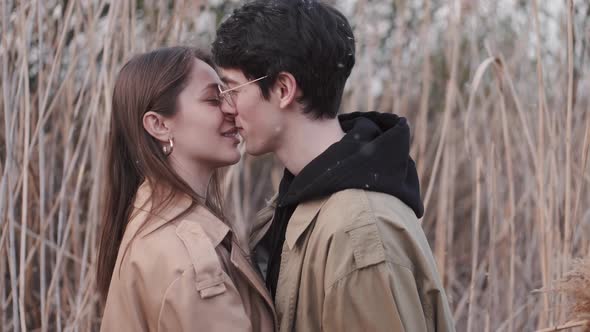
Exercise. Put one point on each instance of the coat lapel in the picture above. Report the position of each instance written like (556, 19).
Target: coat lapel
(262, 223)
(292, 258)
(301, 219)
(239, 260)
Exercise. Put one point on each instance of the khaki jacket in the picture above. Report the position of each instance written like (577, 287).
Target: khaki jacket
(180, 276)
(358, 261)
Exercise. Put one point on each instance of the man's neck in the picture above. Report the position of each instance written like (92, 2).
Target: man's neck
(305, 140)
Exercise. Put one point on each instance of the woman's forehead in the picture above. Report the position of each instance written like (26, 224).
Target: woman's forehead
(203, 74)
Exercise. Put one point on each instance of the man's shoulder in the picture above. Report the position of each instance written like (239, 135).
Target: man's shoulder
(356, 207)
(371, 228)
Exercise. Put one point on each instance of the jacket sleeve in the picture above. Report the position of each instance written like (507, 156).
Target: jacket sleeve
(186, 306)
(380, 297)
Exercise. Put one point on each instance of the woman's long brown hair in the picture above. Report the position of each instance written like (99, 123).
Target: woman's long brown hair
(148, 82)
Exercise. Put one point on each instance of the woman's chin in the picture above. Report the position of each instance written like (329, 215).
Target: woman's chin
(230, 159)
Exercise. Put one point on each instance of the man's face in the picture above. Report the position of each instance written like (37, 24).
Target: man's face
(259, 121)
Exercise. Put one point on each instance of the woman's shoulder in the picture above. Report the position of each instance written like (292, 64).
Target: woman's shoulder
(160, 250)
(155, 261)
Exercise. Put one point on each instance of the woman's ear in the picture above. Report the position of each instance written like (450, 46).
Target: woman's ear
(157, 126)
(286, 89)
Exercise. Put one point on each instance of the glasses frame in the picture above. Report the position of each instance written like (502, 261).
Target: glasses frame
(227, 94)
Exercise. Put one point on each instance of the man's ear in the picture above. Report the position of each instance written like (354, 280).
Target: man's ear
(157, 126)
(286, 89)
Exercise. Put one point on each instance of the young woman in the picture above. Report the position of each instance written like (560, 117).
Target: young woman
(168, 261)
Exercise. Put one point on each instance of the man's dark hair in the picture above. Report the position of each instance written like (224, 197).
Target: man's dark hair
(307, 38)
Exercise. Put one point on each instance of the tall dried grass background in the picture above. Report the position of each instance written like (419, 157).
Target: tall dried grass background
(497, 94)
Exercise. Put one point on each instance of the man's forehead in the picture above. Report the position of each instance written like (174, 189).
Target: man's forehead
(231, 76)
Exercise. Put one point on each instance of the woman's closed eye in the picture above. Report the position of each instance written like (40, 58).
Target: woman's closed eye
(213, 100)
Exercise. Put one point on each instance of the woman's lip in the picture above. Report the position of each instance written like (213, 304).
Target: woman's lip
(234, 137)
(231, 132)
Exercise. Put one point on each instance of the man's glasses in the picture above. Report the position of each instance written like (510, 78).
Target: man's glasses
(228, 95)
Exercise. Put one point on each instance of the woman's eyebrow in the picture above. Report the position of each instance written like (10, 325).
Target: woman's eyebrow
(210, 86)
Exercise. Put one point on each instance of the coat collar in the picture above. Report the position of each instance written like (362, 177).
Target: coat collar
(302, 218)
(261, 223)
(215, 229)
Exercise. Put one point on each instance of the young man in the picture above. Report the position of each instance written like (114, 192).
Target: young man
(344, 250)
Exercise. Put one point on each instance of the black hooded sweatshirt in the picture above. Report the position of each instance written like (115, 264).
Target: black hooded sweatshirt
(373, 155)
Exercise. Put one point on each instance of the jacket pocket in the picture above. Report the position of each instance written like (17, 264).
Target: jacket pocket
(367, 246)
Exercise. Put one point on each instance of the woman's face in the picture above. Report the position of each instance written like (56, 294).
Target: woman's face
(202, 133)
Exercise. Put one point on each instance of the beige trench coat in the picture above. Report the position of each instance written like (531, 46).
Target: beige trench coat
(180, 276)
(358, 261)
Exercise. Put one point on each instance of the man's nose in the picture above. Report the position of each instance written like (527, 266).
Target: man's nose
(227, 109)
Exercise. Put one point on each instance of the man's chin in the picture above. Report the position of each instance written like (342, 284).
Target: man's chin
(255, 150)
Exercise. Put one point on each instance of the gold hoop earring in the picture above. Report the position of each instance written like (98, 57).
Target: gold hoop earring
(168, 149)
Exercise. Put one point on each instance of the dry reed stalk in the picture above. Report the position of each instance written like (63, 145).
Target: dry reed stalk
(6, 194)
(369, 55)
(568, 135)
(25, 175)
(42, 173)
(440, 239)
(474, 242)
(567, 326)
(476, 81)
(492, 273)
(450, 260)
(421, 127)
(49, 244)
(454, 21)
(512, 272)
(396, 60)
(584, 153)
(518, 105)
(540, 152)
(509, 211)
(509, 215)
(3, 182)
(360, 44)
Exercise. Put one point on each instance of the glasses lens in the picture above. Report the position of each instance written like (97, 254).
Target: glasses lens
(229, 99)
(226, 97)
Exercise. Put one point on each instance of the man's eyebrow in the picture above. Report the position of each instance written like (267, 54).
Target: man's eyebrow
(228, 80)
